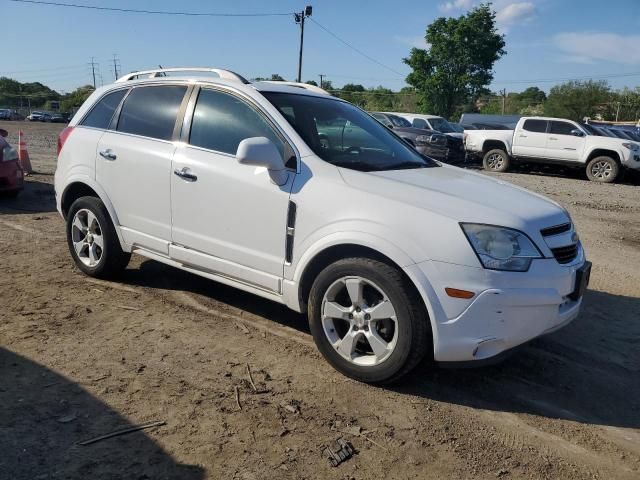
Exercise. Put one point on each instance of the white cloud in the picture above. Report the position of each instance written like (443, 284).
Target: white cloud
(515, 13)
(455, 5)
(416, 41)
(588, 47)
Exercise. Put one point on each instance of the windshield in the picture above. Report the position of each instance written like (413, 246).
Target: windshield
(441, 125)
(345, 136)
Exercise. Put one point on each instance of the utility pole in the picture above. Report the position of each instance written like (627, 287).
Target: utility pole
(116, 66)
(321, 77)
(299, 18)
(504, 99)
(93, 71)
(617, 111)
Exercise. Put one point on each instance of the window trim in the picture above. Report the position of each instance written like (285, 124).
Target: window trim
(176, 127)
(185, 129)
(95, 104)
(546, 129)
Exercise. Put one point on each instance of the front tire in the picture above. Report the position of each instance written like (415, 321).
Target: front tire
(367, 320)
(496, 160)
(92, 239)
(603, 170)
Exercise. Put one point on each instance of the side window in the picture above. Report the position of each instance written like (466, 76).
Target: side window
(221, 121)
(151, 111)
(539, 126)
(420, 123)
(100, 115)
(561, 128)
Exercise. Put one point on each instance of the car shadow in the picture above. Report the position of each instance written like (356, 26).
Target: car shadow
(37, 197)
(586, 372)
(152, 274)
(43, 417)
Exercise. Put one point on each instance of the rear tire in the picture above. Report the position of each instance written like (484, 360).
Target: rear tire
(92, 239)
(603, 169)
(388, 315)
(496, 160)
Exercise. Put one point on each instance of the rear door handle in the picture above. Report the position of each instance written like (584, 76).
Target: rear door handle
(108, 154)
(185, 173)
(553, 138)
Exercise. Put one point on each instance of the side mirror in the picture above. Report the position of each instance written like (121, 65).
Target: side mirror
(262, 152)
(577, 133)
(389, 126)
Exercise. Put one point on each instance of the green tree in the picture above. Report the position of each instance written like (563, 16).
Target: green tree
(312, 82)
(578, 99)
(457, 67)
(75, 99)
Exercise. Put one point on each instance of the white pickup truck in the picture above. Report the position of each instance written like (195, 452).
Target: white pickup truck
(554, 141)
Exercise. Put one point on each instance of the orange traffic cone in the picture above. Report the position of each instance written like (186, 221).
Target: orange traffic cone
(23, 155)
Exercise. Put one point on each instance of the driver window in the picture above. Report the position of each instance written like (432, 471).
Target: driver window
(420, 123)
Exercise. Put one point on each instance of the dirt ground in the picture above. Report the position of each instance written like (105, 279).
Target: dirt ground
(80, 358)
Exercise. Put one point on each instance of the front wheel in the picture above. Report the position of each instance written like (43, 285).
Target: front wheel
(603, 170)
(367, 320)
(92, 239)
(496, 160)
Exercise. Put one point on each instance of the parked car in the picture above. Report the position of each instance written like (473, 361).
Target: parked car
(428, 142)
(59, 118)
(46, 117)
(11, 174)
(9, 114)
(35, 116)
(490, 126)
(508, 121)
(438, 124)
(555, 141)
(392, 255)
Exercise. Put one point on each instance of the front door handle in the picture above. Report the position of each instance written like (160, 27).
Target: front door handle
(108, 154)
(553, 138)
(185, 173)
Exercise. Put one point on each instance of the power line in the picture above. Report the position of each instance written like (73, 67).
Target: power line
(357, 50)
(152, 12)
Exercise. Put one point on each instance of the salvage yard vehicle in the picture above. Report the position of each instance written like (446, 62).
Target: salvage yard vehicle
(393, 255)
(11, 173)
(427, 142)
(555, 141)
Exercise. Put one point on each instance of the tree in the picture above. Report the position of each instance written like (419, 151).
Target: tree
(75, 99)
(275, 77)
(457, 67)
(578, 99)
(312, 82)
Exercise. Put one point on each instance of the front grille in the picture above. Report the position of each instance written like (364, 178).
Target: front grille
(565, 254)
(555, 230)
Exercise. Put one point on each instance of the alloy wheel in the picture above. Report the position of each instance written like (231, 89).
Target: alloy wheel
(86, 235)
(495, 161)
(601, 169)
(359, 321)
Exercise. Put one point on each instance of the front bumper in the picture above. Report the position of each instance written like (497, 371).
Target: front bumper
(632, 161)
(509, 308)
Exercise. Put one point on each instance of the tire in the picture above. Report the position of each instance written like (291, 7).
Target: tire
(603, 169)
(406, 334)
(88, 226)
(496, 160)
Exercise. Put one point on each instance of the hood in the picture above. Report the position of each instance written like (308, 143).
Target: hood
(455, 135)
(415, 131)
(463, 196)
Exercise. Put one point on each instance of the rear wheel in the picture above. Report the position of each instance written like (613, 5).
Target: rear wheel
(496, 160)
(92, 239)
(603, 170)
(367, 320)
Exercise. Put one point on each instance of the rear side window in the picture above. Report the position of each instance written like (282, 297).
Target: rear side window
(539, 126)
(420, 123)
(221, 121)
(561, 128)
(151, 111)
(100, 115)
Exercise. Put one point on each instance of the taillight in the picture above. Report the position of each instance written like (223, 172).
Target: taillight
(62, 138)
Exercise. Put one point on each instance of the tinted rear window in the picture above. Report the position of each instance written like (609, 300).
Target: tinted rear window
(539, 126)
(100, 115)
(151, 111)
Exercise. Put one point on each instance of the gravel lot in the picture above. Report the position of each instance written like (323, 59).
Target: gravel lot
(81, 357)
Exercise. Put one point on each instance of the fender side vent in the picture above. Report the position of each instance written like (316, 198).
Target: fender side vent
(291, 231)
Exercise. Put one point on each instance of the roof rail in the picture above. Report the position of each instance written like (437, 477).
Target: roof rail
(160, 72)
(306, 86)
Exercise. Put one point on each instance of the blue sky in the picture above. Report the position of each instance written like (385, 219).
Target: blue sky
(547, 40)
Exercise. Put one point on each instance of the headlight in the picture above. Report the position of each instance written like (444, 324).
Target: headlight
(632, 146)
(501, 248)
(423, 139)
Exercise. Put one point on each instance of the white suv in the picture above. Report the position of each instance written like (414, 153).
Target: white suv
(393, 255)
